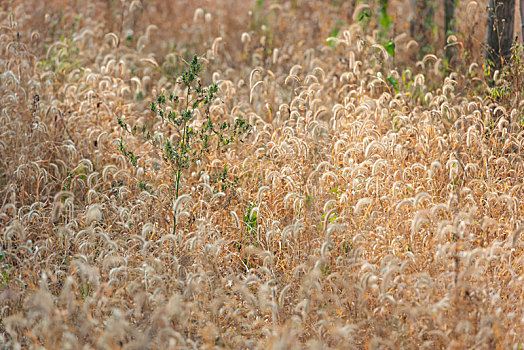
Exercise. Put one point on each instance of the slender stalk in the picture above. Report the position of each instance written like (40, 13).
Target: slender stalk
(180, 163)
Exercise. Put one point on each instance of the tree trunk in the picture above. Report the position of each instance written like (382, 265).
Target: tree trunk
(449, 29)
(501, 20)
(522, 20)
(421, 23)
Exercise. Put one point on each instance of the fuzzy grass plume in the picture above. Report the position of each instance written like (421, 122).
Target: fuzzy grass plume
(377, 201)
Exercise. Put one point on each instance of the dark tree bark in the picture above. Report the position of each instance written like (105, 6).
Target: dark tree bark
(420, 26)
(449, 28)
(501, 20)
(522, 20)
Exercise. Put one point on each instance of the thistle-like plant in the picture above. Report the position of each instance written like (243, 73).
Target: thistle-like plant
(192, 143)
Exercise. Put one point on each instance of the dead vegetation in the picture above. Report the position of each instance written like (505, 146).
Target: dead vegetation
(377, 203)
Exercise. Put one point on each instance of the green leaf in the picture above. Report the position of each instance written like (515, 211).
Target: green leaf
(393, 82)
(363, 15)
(161, 99)
(384, 19)
(390, 47)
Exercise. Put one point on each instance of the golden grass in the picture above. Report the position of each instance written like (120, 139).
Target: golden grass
(352, 217)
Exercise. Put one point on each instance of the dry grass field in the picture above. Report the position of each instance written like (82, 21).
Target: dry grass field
(376, 202)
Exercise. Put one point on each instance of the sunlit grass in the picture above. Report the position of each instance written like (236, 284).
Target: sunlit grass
(376, 203)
